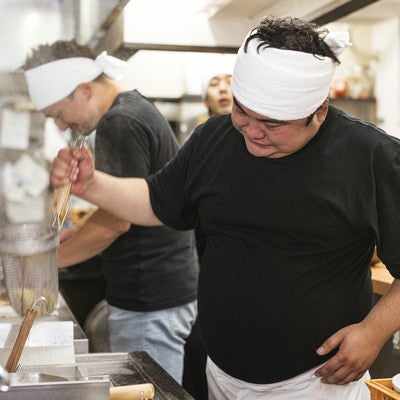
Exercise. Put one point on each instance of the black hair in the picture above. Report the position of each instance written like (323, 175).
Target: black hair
(290, 33)
(60, 49)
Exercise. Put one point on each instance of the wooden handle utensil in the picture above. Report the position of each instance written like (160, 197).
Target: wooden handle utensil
(23, 333)
(18, 348)
(132, 392)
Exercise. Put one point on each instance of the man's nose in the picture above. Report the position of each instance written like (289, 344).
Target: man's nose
(63, 126)
(255, 128)
(224, 86)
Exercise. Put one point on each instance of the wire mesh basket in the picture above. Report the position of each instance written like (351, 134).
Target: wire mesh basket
(29, 259)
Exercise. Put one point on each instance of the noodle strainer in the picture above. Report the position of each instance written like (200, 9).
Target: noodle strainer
(29, 259)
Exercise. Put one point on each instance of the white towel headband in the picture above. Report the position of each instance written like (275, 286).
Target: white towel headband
(53, 81)
(284, 84)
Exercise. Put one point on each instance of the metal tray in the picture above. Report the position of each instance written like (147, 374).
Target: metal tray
(92, 377)
(55, 382)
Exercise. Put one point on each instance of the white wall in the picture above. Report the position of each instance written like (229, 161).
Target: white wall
(173, 74)
(386, 42)
(179, 22)
(40, 22)
(376, 45)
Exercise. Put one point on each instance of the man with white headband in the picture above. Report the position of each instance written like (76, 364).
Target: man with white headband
(293, 196)
(150, 273)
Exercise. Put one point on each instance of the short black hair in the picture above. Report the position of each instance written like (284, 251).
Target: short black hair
(60, 49)
(290, 33)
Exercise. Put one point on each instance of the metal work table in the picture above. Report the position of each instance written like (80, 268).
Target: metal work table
(93, 374)
(61, 313)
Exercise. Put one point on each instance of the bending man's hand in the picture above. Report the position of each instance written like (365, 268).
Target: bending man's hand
(126, 198)
(357, 349)
(76, 167)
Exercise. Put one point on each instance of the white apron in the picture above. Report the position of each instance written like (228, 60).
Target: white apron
(305, 386)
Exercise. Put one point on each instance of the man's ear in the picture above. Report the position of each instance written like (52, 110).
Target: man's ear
(86, 89)
(322, 111)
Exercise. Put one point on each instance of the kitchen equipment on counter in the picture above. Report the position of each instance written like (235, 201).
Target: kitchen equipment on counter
(4, 380)
(32, 377)
(144, 391)
(49, 343)
(396, 383)
(382, 389)
(29, 258)
(96, 376)
(55, 330)
(24, 330)
(40, 383)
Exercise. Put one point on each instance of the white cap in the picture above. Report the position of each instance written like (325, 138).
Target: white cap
(53, 81)
(217, 68)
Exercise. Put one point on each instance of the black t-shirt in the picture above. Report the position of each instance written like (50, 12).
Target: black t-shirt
(147, 268)
(288, 240)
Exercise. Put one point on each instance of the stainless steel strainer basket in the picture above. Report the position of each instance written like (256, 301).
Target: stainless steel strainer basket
(29, 259)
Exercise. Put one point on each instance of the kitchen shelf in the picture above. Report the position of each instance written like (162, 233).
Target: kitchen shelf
(361, 108)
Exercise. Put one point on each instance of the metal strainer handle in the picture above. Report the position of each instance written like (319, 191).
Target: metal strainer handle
(39, 299)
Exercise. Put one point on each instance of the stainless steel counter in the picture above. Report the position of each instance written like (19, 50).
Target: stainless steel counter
(61, 313)
(92, 375)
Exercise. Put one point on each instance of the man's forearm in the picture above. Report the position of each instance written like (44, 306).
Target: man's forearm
(127, 198)
(93, 236)
(385, 316)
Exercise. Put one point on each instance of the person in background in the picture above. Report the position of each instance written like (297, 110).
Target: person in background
(150, 272)
(217, 93)
(293, 195)
(217, 96)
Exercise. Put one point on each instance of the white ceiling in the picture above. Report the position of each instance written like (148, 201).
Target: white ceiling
(256, 8)
(380, 10)
(27, 23)
(307, 9)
